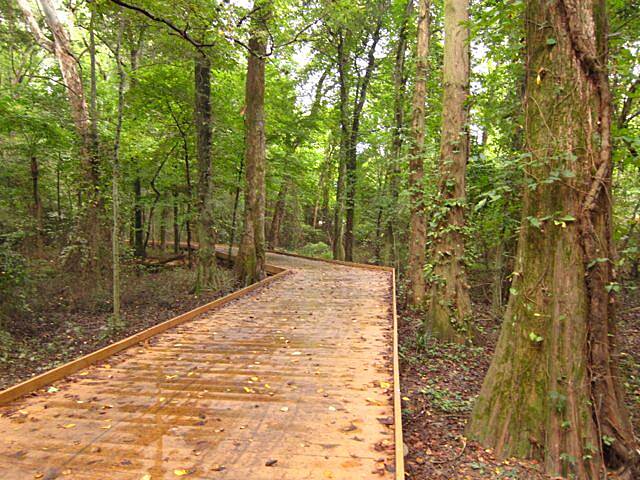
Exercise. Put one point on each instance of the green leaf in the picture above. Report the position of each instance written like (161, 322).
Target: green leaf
(551, 41)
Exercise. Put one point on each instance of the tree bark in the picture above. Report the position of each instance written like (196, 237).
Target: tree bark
(37, 202)
(138, 226)
(553, 390)
(338, 220)
(394, 170)
(115, 233)
(89, 226)
(449, 305)
(278, 213)
(176, 224)
(352, 154)
(250, 266)
(206, 235)
(417, 227)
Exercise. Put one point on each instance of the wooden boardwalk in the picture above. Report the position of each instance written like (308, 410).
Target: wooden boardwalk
(294, 380)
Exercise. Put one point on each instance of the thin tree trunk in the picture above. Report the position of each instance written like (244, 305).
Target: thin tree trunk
(115, 233)
(206, 267)
(352, 154)
(338, 221)
(37, 202)
(553, 390)
(399, 87)
(138, 226)
(417, 232)
(250, 266)
(236, 201)
(278, 213)
(176, 224)
(449, 305)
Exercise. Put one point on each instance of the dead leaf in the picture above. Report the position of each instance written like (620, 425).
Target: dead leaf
(271, 462)
(181, 472)
(69, 425)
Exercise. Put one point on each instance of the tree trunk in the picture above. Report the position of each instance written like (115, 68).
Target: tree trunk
(236, 201)
(449, 305)
(138, 227)
(115, 233)
(399, 87)
(89, 226)
(37, 202)
(176, 225)
(553, 390)
(352, 154)
(251, 255)
(338, 220)
(206, 236)
(417, 232)
(163, 228)
(278, 213)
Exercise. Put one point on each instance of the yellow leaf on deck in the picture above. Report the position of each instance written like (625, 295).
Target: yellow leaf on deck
(248, 390)
(69, 425)
(146, 476)
(181, 472)
(384, 384)
(255, 379)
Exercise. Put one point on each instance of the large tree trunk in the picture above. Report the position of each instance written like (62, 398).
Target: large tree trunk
(89, 226)
(399, 86)
(449, 305)
(553, 390)
(251, 255)
(352, 153)
(206, 236)
(417, 232)
(338, 220)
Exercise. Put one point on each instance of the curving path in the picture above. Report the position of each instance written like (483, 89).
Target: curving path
(291, 381)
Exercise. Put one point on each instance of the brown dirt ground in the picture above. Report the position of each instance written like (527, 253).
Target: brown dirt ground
(67, 324)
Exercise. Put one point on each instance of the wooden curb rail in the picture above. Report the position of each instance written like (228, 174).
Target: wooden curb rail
(58, 373)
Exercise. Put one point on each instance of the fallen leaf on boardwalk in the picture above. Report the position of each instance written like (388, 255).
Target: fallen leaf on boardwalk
(38, 475)
(146, 476)
(255, 379)
(332, 408)
(378, 403)
(384, 384)
(385, 420)
(271, 462)
(217, 468)
(284, 409)
(266, 385)
(296, 353)
(69, 425)
(328, 474)
(169, 377)
(181, 472)
(248, 390)
(105, 427)
(52, 390)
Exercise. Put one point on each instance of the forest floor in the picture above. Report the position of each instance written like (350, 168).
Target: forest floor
(440, 382)
(67, 322)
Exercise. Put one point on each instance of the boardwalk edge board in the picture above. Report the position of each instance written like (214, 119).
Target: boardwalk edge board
(58, 373)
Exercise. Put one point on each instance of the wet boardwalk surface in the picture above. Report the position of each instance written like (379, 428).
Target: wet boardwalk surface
(292, 381)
